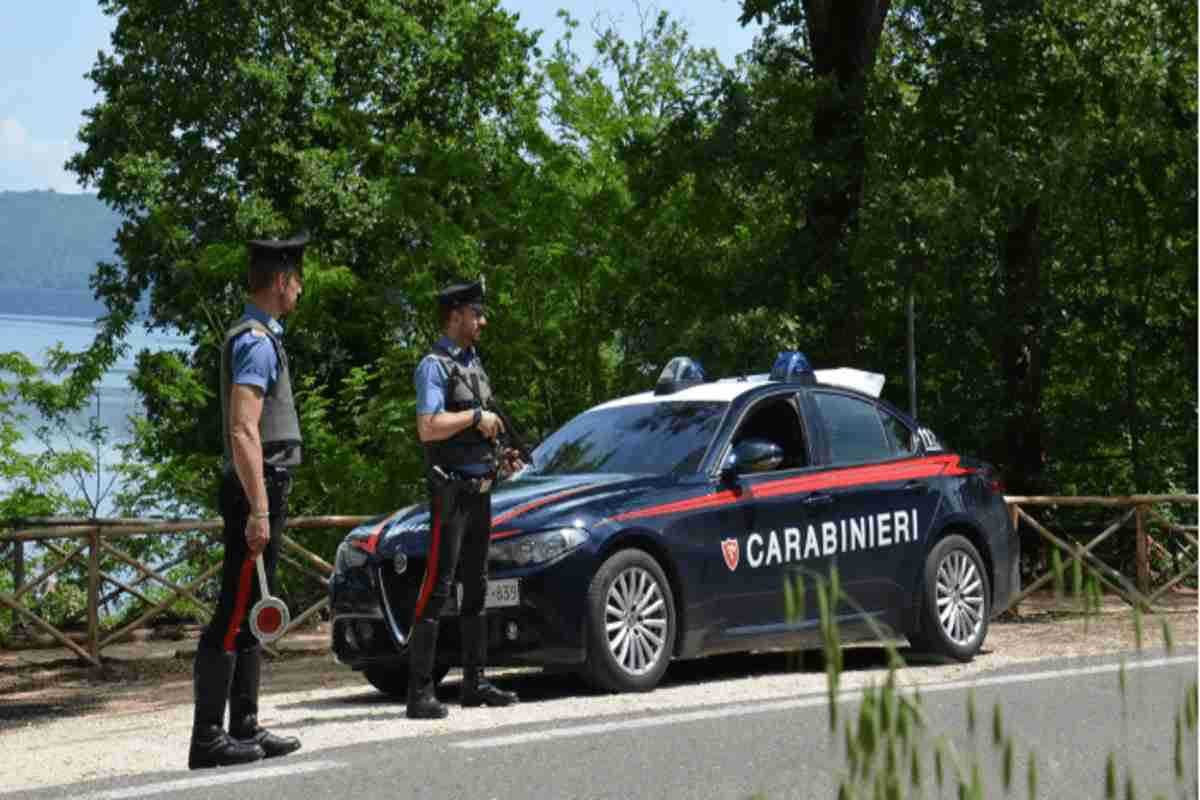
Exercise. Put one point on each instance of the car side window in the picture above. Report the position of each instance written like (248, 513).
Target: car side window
(904, 440)
(854, 429)
(778, 420)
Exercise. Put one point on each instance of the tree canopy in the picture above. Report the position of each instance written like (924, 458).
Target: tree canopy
(1026, 170)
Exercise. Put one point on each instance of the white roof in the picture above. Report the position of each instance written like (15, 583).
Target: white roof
(726, 389)
(859, 380)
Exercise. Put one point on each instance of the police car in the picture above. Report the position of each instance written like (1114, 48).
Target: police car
(665, 525)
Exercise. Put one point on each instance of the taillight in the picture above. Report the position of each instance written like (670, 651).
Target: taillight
(991, 481)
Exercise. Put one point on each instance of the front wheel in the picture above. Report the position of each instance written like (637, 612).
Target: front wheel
(631, 623)
(956, 601)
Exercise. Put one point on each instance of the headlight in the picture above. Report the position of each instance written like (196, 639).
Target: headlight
(349, 556)
(536, 548)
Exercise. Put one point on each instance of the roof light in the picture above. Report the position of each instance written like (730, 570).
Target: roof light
(679, 373)
(793, 366)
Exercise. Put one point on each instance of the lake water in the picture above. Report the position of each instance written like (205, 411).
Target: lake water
(34, 320)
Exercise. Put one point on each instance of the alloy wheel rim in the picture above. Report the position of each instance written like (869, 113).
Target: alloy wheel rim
(635, 621)
(960, 600)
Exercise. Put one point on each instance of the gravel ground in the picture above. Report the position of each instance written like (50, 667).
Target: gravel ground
(135, 715)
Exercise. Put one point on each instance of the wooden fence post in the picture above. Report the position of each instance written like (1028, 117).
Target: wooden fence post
(18, 573)
(1143, 553)
(18, 569)
(93, 595)
(1014, 514)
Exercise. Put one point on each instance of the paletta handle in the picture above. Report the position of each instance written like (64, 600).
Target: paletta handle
(264, 591)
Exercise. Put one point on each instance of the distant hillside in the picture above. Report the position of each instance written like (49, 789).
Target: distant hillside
(53, 241)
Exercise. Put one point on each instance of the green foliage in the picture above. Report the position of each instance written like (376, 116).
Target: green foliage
(890, 739)
(40, 476)
(1030, 177)
(376, 126)
(1039, 108)
(32, 478)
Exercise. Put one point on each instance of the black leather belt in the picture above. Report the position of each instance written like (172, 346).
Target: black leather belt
(475, 483)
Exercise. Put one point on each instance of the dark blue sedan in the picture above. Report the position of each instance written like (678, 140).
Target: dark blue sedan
(666, 524)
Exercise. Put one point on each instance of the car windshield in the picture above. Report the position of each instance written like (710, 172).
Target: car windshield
(648, 438)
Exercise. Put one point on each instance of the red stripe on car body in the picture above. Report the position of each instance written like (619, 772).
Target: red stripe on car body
(372, 540)
(532, 504)
(853, 476)
(504, 534)
(679, 506)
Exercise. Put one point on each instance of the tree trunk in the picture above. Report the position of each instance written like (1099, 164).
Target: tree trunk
(1022, 356)
(844, 38)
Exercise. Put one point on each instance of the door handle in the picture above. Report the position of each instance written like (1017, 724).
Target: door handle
(819, 499)
(913, 485)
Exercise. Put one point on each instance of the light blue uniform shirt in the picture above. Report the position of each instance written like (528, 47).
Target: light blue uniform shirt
(431, 376)
(255, 362)
(431, 380)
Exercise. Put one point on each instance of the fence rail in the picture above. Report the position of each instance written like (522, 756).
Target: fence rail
(96, 540)
(1138, 508)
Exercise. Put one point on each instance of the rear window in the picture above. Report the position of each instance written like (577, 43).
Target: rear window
(904, 441)
(854, 429)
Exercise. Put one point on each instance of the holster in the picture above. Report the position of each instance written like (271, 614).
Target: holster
(440, 478)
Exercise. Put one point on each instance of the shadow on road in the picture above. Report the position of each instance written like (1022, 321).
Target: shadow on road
(541, 687)
(18, 713)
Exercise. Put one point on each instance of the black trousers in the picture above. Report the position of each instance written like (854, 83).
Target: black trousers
(460, 530)
(229, 629)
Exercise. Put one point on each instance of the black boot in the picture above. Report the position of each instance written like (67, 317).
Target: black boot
(476, 691)
(212, 675)
(243, 708)
(422, 649)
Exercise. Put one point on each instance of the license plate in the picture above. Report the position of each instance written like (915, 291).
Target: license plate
(500, 594)
(503, 594)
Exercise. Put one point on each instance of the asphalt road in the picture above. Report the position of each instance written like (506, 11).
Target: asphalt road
(1072, 714)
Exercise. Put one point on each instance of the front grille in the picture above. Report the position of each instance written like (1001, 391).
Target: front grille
(402, 590)
(360, 638)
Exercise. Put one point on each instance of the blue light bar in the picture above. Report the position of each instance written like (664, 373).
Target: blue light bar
(792, 365)
(679, 373)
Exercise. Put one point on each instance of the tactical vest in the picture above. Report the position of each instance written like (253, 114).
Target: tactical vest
(279, 425)
(468, 446)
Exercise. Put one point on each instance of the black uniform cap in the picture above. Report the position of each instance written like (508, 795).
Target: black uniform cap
(279, 254)
(461, 294)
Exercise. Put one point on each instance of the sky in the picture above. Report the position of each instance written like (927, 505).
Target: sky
(47, 47)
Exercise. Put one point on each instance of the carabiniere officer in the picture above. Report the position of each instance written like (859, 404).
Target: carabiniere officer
(262, 442)
(458, 436)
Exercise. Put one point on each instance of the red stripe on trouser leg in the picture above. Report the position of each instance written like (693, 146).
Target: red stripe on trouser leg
(431, 567)
(239, 606)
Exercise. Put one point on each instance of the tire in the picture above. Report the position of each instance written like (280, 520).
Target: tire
(393, 680)
(956, 601)
(631, 623)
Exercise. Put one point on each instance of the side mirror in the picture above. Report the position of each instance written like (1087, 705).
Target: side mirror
(751, 455)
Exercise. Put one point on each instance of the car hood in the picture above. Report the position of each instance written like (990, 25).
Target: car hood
(523, 503)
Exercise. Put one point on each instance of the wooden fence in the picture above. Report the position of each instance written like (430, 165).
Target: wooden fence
(1138, 509)
(94, 539)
